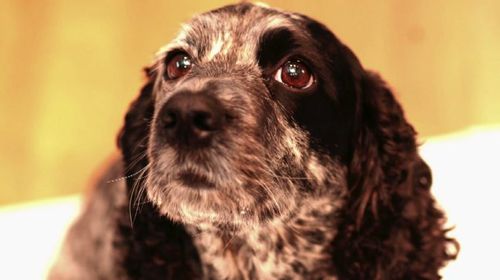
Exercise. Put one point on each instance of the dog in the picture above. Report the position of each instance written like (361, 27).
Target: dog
(260, 148)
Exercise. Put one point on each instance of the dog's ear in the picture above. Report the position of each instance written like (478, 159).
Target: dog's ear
(133, 137)
(391, 228)
(381, 143)
(384, 149)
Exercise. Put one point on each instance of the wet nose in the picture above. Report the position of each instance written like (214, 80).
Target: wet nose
(191, 118)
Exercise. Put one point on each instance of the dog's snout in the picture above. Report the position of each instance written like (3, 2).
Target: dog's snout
(191, 118)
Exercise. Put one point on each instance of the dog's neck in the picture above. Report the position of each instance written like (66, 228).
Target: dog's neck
(279, 249)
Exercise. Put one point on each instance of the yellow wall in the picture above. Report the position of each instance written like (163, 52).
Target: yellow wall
(70, 68)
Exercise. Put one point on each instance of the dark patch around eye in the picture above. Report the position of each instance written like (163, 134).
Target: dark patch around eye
(335, 98)
(319, 115)
(326, 112)
(275, 44)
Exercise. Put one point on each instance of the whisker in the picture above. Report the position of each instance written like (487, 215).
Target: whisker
(136, 188)
(138, 158)
(228, 242)
(272, 174)
(271, 195)
(137, 203)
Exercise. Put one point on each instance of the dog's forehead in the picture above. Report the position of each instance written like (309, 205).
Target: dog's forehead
(230, 34)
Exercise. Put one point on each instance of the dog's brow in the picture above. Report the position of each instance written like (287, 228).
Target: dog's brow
(225, 34)
(274, 44)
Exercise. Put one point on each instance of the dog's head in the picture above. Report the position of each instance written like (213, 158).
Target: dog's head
(250, 110)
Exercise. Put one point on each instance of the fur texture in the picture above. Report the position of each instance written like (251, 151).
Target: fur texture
(278, 182)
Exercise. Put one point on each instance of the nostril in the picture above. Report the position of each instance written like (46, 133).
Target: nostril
(205, 121)
(169, 119)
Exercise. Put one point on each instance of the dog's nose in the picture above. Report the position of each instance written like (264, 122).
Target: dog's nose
(191, 118)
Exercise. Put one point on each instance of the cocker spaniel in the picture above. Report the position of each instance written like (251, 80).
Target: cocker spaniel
(260, 148)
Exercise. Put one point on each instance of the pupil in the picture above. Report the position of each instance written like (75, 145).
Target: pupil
(183, 63)
(293, 70)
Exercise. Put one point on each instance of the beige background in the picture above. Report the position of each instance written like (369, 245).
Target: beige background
(70, 68)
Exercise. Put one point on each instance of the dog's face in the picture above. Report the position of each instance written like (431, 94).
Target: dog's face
(252, 111)
(252, 115)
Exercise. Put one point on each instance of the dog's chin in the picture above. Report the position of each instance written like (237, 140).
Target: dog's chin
(198, 203)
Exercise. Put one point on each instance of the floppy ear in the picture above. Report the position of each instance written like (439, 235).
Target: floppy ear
(133, 137)
(391, 228)
(384, 149)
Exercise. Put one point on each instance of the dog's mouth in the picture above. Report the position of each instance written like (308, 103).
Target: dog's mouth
(194, 180)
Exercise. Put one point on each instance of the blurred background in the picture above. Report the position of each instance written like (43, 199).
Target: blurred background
(70, 68)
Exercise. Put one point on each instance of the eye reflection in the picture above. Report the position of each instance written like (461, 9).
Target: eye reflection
(178, 66)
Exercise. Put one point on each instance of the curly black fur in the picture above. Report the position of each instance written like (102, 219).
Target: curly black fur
(392, 229)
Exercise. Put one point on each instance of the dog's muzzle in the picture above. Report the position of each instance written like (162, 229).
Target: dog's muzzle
(191, 119)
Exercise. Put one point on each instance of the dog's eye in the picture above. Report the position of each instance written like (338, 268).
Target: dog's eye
(178, 66)
(295, 74)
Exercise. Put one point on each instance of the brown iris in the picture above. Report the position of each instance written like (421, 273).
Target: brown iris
(294, 73)
(178, 66)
